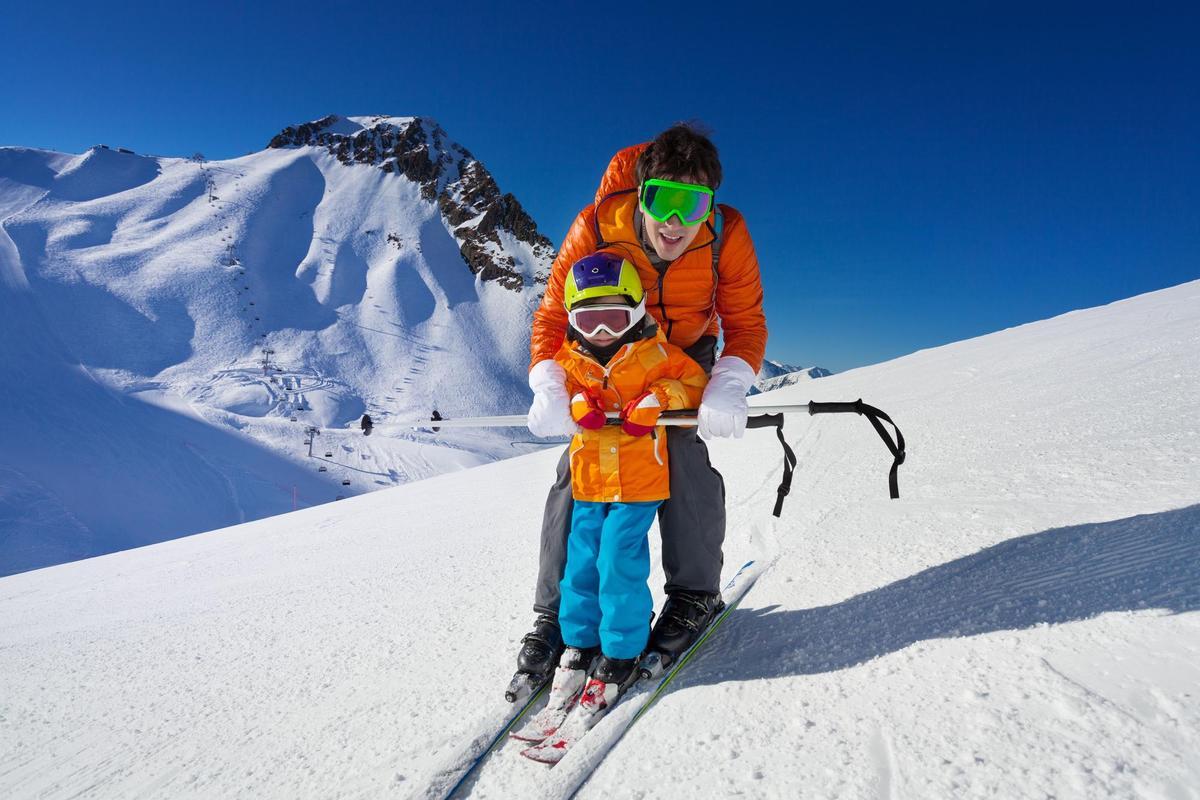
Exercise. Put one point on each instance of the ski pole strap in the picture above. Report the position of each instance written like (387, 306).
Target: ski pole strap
(789, 457)
(896, 446)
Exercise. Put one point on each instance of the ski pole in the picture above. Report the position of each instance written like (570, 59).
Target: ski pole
(521, 421)
(681, 417)
(760, 417)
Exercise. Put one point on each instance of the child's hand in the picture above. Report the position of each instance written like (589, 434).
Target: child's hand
(586, 410)
(640, 415)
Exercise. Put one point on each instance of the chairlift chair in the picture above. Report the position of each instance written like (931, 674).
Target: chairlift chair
(329, 455)
(345, 481)
(322, 468)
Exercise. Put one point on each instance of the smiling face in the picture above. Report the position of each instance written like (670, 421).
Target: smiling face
(672, 238)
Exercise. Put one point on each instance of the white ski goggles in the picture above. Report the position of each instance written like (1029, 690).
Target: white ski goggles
(616, 320)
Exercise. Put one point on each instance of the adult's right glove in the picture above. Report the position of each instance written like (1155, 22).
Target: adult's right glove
(723, 408)
(550, 413)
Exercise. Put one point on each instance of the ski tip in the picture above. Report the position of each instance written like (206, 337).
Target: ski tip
(543, 754)
(531, 737)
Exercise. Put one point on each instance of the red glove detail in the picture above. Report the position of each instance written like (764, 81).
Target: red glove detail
(640, 415)
(586, 410)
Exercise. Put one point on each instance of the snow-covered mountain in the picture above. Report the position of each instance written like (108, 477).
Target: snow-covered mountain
(776, 375)
(1021, 623)
(172, 327)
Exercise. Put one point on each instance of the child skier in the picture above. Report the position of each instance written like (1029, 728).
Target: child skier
(615, 359)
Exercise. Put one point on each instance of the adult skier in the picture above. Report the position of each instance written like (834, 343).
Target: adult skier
(656, 207)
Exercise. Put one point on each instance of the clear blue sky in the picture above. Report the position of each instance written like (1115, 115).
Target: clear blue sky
(912, 174)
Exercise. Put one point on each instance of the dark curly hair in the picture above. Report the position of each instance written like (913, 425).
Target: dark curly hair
(681, 151)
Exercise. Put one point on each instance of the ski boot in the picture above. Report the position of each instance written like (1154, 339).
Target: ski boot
(540, 651)
(612, 676)
(569, 679)
(684, 617)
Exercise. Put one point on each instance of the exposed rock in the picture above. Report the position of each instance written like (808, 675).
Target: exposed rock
(776, 375)
(471, 203)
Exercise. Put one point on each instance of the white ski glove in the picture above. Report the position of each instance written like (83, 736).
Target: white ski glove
(723, 409)
(550, 414)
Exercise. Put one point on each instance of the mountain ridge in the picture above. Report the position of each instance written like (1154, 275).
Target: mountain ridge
(161, 293)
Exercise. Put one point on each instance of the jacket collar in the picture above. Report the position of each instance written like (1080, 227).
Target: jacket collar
(578, 349)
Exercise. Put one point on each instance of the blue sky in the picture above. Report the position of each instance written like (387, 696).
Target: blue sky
(912, 174)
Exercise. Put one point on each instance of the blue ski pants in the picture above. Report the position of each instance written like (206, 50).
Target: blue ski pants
(605, 598)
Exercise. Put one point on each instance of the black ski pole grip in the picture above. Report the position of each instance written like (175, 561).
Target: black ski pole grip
(835, 408)
(765, 421)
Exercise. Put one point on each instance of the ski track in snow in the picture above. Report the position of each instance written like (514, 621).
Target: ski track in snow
(1021, 623)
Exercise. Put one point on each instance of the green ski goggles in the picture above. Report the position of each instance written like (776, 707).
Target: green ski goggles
(690, 202)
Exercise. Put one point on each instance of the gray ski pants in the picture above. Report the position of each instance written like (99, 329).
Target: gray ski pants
(692, 523)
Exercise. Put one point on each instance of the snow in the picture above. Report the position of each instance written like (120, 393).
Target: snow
(1021, 623)
(142, 292)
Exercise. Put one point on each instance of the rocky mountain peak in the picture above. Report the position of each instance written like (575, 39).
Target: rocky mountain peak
(467, 195)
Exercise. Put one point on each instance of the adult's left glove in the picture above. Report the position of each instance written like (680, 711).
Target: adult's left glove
(550, 413)
(723, 408)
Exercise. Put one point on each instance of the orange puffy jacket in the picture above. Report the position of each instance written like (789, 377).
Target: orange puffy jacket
(686, 300)
(608, 465)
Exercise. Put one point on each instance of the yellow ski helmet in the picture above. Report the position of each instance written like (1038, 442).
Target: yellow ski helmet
(602, 274)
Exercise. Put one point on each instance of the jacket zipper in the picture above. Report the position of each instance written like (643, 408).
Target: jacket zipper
(662, 303)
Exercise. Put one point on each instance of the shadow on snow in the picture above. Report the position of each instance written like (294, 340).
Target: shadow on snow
(1059, 575)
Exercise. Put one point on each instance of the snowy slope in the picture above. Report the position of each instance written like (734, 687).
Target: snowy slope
(376, 259)
(1020, 624)
(776, 375)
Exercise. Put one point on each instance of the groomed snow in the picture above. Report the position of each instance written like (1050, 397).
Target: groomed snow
(1021, 623)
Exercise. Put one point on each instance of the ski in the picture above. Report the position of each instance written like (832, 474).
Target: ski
(564, 692)
(455, 775)
(576, 736)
